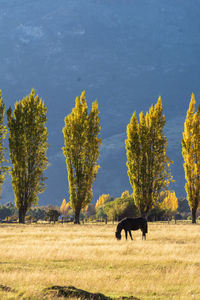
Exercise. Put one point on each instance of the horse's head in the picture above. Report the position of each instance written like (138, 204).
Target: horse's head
(118, 235)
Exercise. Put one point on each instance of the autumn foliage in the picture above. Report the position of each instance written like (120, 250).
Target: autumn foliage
(191, 155)
(147, 162)
(170, 201)
(102, 200)
(64, 208)
(81, 150)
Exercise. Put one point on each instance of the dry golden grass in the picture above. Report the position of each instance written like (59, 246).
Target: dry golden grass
(165, 266)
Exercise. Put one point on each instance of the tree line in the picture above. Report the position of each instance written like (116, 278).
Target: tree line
(106, 209)
(146, 147)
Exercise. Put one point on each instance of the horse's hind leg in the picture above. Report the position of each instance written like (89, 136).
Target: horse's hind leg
(125, 234)
(130, 234)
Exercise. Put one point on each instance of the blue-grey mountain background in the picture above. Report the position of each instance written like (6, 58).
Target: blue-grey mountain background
(124, 53)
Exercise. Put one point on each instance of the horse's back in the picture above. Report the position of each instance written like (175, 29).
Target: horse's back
(133, 223)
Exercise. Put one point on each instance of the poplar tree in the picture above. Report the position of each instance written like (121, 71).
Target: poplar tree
(3, 133)
(147, 162)
(81, 150)
(64, 208)
(169, 201)
(191, 155)
(28, 145)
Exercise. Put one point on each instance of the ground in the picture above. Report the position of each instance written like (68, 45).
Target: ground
(88, 257)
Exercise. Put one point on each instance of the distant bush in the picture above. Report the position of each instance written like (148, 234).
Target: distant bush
(100, 214)
(120, 208)
(52, 215)
(37, 213)
(11, 219)
(7, 210)
(178, 217)
(183, 206)
(29, 219)
(156, 214)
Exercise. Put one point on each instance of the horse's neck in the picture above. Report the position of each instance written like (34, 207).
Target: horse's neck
(119, 227)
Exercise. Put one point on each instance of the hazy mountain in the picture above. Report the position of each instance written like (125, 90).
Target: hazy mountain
(125, 53)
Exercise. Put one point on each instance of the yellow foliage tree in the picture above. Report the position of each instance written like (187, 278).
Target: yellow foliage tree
(102, 199)
(3, 133)
(170, 201)
(147, 162)
(191, 155)
(28, 146)
(81, 150)
(125, 194)
(64, 208)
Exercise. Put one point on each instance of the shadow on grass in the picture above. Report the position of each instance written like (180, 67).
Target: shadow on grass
(72, 292)
(5, 288)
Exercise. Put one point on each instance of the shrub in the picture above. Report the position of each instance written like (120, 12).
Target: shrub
(11, 219)
(52, 215)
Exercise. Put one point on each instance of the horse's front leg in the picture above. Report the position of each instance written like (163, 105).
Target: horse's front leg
(143, 235)
(130, 234)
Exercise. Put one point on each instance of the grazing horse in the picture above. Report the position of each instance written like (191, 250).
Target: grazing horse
(129, 224)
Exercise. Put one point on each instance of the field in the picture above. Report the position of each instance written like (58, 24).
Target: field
(165, 266)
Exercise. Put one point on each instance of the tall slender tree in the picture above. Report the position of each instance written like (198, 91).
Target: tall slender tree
(3, 133)
(64, 208)
(191, 155)
(147, 162)
(28, 145)
(81, 150)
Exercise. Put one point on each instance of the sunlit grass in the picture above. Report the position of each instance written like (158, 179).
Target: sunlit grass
(165, 266)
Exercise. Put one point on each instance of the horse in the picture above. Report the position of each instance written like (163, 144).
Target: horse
(129, 224)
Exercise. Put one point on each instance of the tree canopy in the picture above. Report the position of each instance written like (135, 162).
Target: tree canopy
(81, 150)
(102, 200)
(28, 145)
(147, 162)
(3, 133)
(64, 208)
(191, 155)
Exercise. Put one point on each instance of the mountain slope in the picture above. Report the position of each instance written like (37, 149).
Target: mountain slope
(124, 53)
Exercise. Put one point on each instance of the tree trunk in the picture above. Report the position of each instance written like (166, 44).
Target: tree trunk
(22, 213)
(76, 218)
(193, 215)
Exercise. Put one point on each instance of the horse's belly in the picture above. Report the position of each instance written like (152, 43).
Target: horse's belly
(134, 228)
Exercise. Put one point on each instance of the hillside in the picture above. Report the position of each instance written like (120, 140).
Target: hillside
(124, 53)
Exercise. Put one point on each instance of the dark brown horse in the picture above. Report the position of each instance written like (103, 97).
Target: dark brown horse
(129, 224)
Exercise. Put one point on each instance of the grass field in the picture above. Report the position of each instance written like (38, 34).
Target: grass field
(165, 266)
